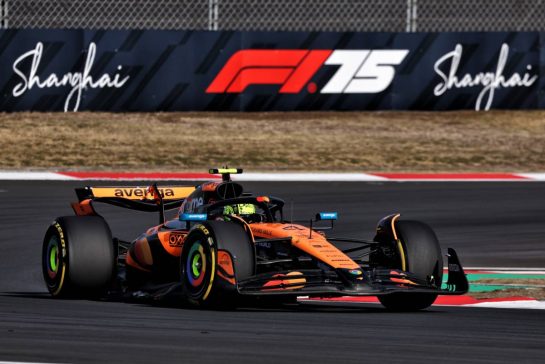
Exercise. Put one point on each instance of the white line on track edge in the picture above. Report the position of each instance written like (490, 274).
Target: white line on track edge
(278, 177)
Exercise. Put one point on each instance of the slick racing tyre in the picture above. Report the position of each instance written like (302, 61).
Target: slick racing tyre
(422, 257)
(78, 257)
(215, 255)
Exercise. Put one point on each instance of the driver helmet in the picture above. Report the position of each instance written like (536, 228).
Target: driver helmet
(239, 209)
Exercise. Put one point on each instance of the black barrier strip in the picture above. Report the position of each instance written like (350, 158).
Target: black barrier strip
(100, 65)
(49, 102)
(257, 102)
(51, 49)
(214, 53)
(515, 60)
(98, 35)
(344, 40)
(106, 99)
(307, 43)
(7, 91)
(116, 97)
(467, 99)
(274, 100)
(222, 102)
(426, 96)
(313, 101)
(391, 40)
(517, 98)
(174, 94)
(413, 59)
(131, 40)
(186, 37)
(541, 70)
(79, 63)
(321, 100)
(149, 75)
(6, 39)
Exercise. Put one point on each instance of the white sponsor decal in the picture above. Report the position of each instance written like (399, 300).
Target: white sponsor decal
(490, 81)
(195, 202)
(363, 71)
(79, 81)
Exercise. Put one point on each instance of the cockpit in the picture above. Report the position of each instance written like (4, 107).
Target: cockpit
(225, 200)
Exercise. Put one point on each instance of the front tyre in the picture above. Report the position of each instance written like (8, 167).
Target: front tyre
(215, 256)
(198, 266)
(422, 257)
(78, 257)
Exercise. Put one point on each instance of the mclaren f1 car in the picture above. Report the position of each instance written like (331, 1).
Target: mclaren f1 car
(225, 247)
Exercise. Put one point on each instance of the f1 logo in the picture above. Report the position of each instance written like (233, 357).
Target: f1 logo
(290, 68)
(360, 71)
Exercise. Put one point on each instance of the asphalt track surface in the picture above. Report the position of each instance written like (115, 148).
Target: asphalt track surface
(490, 224)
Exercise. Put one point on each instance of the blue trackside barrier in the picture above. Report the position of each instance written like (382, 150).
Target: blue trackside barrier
(153, 70)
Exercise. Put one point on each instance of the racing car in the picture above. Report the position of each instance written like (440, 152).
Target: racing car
(226, 247)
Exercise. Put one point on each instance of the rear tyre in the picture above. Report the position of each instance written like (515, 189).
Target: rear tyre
(422, 258)
(205, 281)
(78, 257)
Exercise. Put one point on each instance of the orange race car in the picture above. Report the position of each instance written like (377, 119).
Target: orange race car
(226, 247)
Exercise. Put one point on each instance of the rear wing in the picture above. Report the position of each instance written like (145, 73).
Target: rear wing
(134, 193)
(150, 199)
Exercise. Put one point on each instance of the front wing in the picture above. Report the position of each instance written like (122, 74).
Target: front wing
(375, 282)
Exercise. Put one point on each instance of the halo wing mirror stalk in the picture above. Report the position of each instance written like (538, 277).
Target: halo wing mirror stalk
(323, 216)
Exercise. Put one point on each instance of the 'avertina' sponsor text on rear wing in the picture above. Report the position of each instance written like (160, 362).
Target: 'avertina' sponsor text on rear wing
(150, 199)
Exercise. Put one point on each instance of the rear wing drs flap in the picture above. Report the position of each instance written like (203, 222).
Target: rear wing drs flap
(151, 199)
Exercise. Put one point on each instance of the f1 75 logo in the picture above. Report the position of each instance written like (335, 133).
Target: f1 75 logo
(360, 71)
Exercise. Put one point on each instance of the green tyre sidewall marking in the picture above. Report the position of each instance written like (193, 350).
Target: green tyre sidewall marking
(195, 265)
(54, 254)
(53, 258)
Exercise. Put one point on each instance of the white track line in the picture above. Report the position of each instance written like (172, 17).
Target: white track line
(507, 270)
(533, 176)
(526, 305)
(308, 177)
(33, 176)
(22, 362)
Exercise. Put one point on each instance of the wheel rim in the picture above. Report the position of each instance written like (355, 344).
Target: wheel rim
(196, 264)
(53, 263)
(52, 257)
(197, 268)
